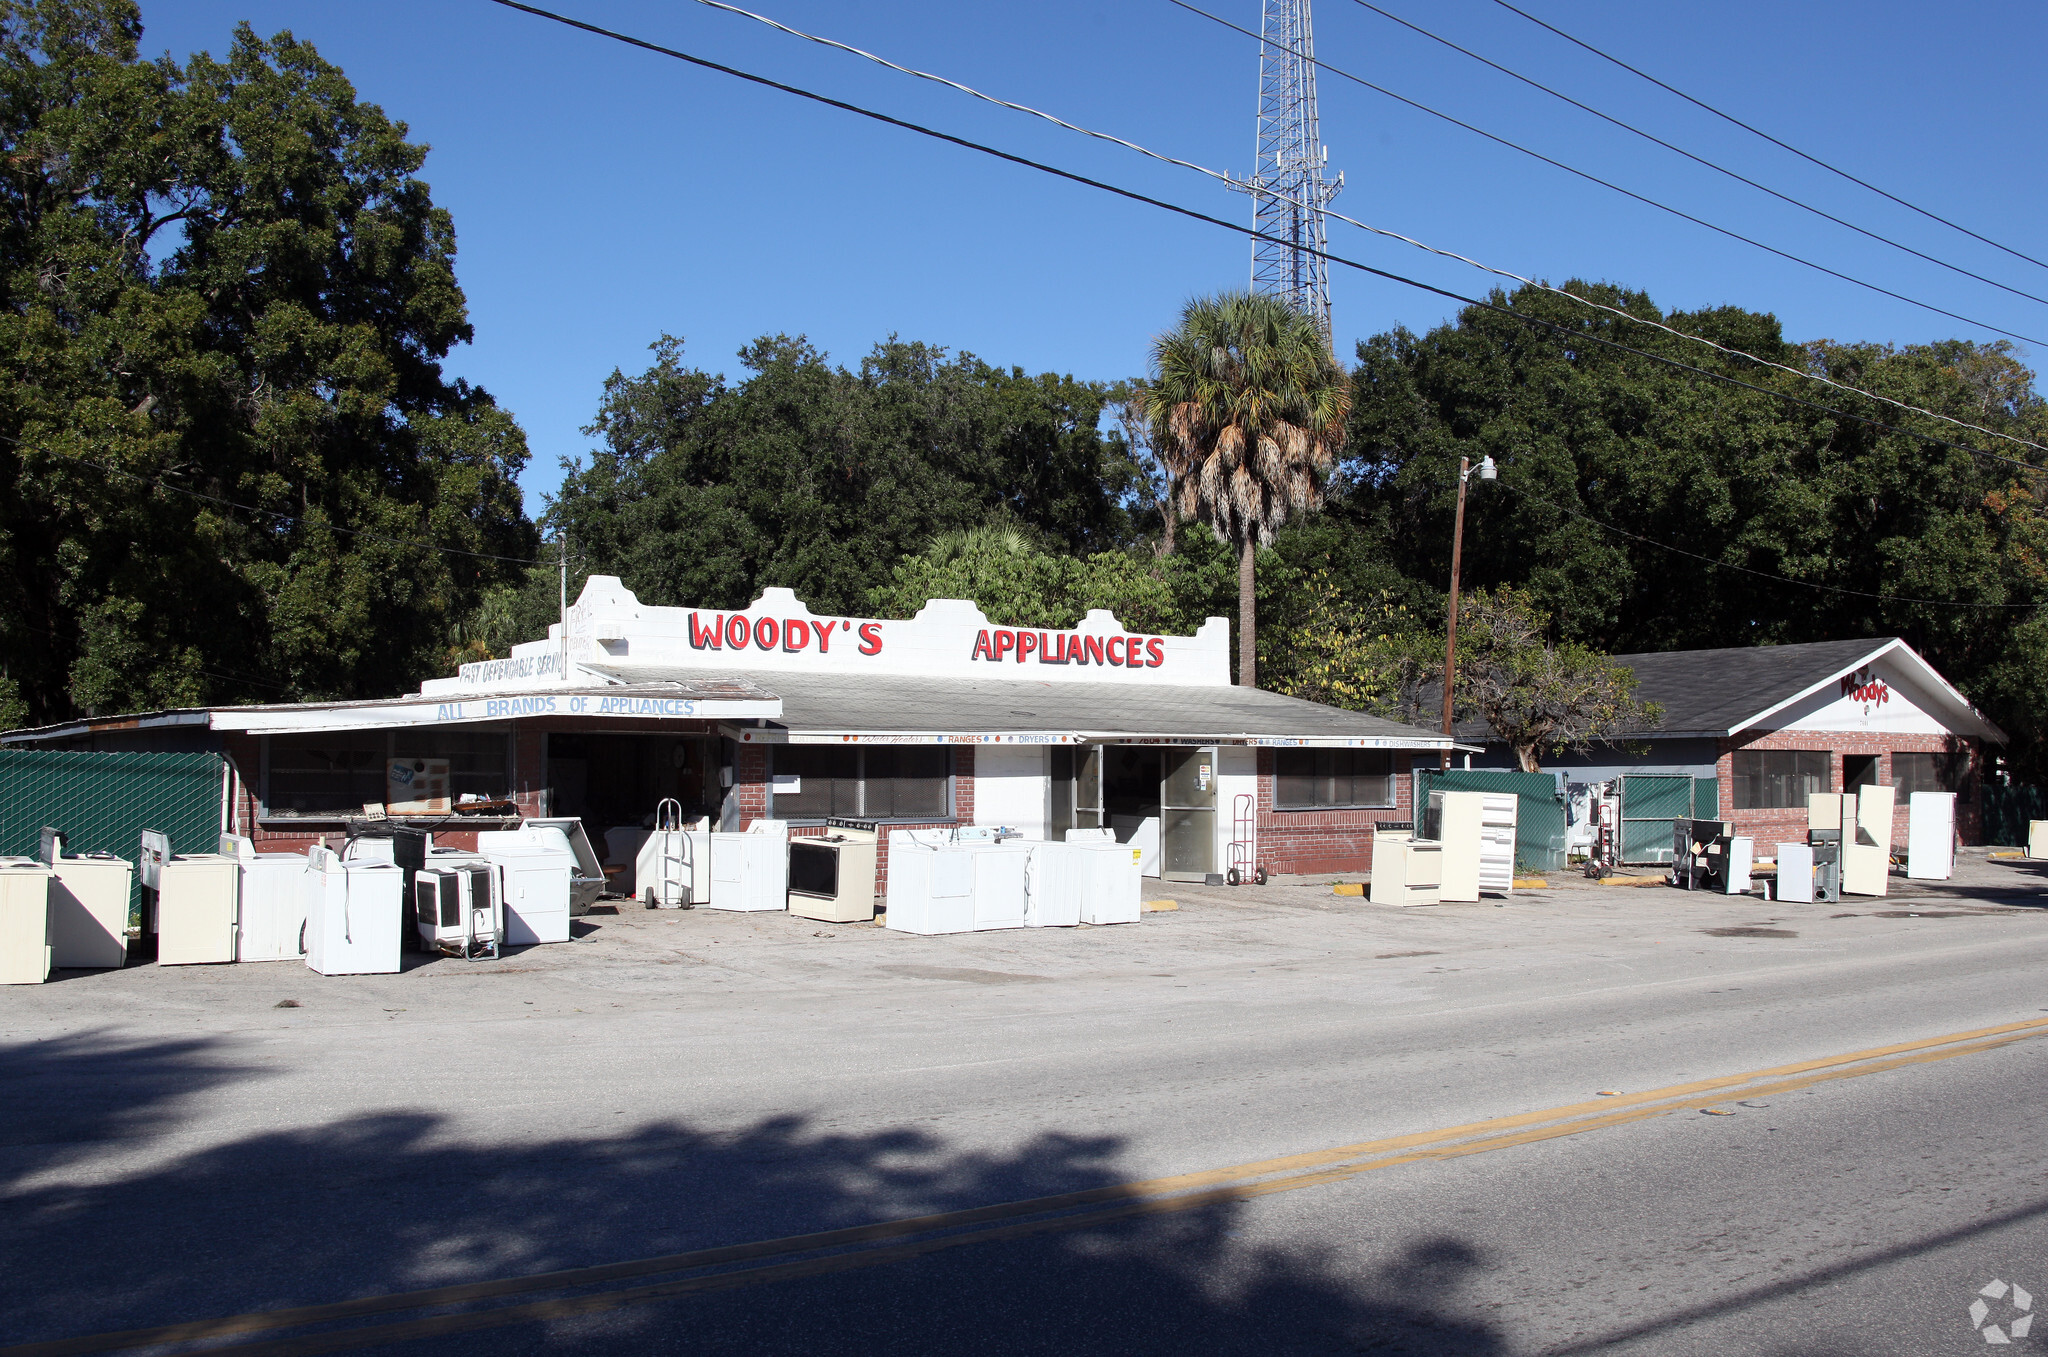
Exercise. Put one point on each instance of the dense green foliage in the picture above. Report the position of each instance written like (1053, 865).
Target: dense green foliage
(1865, 521)
(814, 477)
(222, 284)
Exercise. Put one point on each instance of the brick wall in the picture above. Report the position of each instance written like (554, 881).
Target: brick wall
(1788, 825)
(754, 803)
(1324, 840)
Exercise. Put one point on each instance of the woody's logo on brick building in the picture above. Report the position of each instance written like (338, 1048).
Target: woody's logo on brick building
(1865, 687)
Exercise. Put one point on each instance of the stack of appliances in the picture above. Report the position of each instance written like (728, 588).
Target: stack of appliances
(89, 896)
(534, 876)
(1405, 870)
(25, 950)
(1930, 836)
(1709, 855)
(671, 864)
(1477, 834)
(750, 870)
(197, 902)
(355, 913)
(457, 908)
(958, 880)
(273, 901)
(832, 877)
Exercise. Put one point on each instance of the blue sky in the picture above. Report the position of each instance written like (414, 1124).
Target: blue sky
(603, 196)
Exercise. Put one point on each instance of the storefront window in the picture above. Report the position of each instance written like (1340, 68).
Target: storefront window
(1945, 772)
(1778, 779)
(478, 761)
(1321, 779)
(810, 782)
(340, 773)
(326, 774)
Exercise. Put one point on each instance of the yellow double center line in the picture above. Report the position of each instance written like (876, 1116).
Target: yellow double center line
(867, 1246)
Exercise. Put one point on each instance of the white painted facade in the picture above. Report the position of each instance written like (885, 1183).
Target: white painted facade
(614, 638)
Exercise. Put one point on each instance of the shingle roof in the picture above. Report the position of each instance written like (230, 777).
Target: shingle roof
(1717, 692)
(885, 704)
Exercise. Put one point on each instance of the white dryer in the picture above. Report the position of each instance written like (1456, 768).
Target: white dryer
(1054, 884)
(533, 884)
(931, 883)
(750, 870)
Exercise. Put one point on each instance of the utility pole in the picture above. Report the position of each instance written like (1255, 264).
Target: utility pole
(1486, 473)
(562, 550)
(1287, 183)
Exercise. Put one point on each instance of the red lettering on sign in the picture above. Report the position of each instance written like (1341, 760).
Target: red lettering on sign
(825, 637)
(1091, 650)
(1006, 641)
(1114, 647)
(736, 632)
(1027, 641)
(1052, 649)
(700, 637)
(870, 638)
(764, 633)
(796, 634)
(1157, 650)
(982, 647)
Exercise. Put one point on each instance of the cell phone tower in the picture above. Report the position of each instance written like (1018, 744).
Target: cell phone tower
(1287, 184)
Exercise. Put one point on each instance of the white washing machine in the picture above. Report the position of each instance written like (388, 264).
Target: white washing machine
(25, 951)
(1111, 880)
(931, 883)
(355, 913)
(750, 870)
(89, 898)
(1054, 884)
(273, 901)
(198, 901)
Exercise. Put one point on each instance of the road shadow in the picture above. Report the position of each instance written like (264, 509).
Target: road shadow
(114, 1220)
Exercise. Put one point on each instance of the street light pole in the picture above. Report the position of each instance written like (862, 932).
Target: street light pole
(1486, 473)
(1451, 623)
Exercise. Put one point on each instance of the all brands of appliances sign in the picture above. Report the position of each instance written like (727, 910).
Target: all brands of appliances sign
(612, 635)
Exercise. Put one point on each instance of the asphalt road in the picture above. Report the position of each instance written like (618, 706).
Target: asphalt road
(175, 1147)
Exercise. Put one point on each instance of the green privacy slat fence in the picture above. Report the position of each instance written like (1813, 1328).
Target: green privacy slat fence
(2007, 810)
(103, 802)
(1706, 798)
(1539, 816)
(1649, 803)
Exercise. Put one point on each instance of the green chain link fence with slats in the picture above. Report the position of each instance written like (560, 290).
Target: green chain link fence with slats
(103, 802)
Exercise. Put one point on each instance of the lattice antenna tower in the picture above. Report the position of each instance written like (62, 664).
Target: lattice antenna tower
(1288, 185)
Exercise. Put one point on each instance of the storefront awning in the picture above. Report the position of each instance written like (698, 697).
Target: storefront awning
(697, 698)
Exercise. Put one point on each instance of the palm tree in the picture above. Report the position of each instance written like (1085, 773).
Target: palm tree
(1248, 407)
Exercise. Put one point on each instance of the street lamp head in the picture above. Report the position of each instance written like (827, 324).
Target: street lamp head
(1488, 471)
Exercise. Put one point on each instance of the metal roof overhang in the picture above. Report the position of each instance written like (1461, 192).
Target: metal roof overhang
(718, 700)
(905, 709)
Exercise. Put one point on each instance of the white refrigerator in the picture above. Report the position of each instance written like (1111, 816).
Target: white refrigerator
(355, 911)
(1930, 836)
(198, 898)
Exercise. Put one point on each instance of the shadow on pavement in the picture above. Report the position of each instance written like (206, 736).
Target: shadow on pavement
(400, 1201)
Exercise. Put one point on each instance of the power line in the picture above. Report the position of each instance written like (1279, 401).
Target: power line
(1697, 159)
(1227, 181)
(1574, 335)
(1627, 193)
(1756, 131)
